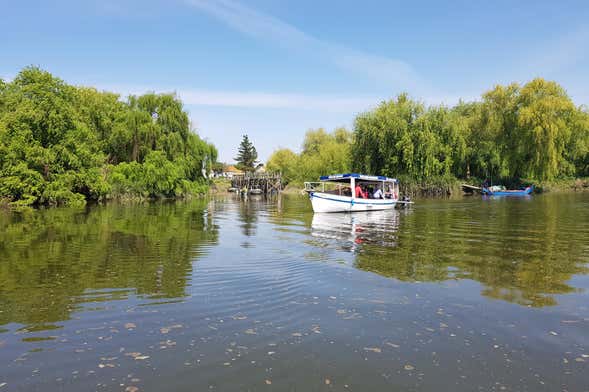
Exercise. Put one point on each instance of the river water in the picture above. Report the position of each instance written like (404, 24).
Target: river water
(246, 295)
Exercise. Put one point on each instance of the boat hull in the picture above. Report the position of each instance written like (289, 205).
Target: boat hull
(523, 192)
(326, 202)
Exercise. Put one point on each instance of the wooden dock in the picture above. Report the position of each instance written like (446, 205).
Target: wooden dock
(257, 183)
(470, 189)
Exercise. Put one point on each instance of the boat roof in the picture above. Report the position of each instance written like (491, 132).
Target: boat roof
(363, 177)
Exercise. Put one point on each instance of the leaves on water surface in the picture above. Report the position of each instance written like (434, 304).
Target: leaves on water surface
(167, 329)
(137, 356)
(373, 349)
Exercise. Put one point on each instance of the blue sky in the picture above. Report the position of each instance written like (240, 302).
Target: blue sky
(275, 68)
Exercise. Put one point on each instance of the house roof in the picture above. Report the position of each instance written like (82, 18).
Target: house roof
(233, 169)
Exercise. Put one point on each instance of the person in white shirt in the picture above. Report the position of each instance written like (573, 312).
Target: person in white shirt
(378, 194)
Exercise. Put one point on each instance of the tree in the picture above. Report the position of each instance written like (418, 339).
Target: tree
(62, 144)
(532, 131)
(285, 162)
(544, 121)
(323, 153)
(247, 156)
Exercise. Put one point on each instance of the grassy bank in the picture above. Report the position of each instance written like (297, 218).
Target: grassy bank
(564, 185)
(219, 185)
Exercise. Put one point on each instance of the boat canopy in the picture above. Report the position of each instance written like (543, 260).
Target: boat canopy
(362, 177)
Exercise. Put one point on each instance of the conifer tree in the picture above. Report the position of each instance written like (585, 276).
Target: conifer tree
(247, 156)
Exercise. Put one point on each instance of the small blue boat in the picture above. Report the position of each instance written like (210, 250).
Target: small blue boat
(519, 192)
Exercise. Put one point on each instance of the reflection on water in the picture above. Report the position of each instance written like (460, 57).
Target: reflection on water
(52, 261)
(352, 230)
(231, 294)
(521, 251)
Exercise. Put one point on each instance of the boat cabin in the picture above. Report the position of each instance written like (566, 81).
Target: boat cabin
(345, 185)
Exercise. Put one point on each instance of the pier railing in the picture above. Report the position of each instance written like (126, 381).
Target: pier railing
(257, 183)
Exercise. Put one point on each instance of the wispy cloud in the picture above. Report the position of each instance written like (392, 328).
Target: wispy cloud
(276, 101)
(256, 99)
(397, 73)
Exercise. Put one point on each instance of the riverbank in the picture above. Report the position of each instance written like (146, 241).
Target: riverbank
(564, 185)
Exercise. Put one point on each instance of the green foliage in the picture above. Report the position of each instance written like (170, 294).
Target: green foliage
(532, 132)
(283, 161)
(247, 156)
(61, 144)
(322, 153)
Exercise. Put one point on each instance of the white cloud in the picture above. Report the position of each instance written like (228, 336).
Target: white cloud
(349, 104)
(275, 101)
(265, 27)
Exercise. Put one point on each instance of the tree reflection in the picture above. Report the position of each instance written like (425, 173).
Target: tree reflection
(52, 260)
(522, 251)
(249, 208)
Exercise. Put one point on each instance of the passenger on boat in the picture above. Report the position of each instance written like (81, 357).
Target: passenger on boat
(359, 192)
(367, 192)
(378, 194)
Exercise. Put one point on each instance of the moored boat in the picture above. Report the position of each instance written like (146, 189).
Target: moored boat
(353, 192)
(506, 192)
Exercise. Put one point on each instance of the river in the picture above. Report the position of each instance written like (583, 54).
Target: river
(245, 295)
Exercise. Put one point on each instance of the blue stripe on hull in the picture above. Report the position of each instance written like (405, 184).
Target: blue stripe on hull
(352, 202)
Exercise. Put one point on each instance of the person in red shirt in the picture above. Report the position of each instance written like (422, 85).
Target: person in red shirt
(359, 192)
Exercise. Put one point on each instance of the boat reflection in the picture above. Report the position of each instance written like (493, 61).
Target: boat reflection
(351, 230)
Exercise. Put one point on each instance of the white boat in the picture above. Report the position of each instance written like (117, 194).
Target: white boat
(337, 193)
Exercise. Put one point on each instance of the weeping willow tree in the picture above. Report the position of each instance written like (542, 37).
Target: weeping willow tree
(403, 137)
(532, 131)
(62, 144)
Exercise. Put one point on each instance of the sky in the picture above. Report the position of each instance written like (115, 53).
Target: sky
(272, 69)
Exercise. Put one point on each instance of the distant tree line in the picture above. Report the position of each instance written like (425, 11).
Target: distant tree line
(62, 144)
(532, 132)
(322, 153)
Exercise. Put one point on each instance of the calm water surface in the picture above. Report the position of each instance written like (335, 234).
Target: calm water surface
(236, 295)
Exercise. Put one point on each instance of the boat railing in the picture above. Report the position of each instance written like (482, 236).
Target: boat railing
(314, 187)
